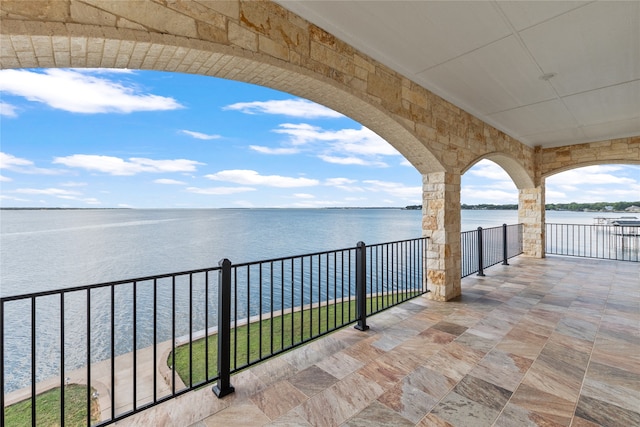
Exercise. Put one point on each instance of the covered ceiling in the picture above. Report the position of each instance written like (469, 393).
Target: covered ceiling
(547, 73)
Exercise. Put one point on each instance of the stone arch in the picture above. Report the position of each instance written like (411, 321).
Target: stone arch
(591, 163)
(519, 175)
(49, 45)
(615, 151)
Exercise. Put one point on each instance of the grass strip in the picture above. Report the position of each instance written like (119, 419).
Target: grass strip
(48, 408)
(260, 339)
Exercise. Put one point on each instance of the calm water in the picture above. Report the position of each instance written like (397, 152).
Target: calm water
(51, 249)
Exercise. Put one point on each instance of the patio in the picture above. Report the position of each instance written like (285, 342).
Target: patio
(542, 342)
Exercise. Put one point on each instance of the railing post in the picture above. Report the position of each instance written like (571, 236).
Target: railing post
(224, 386)
(505, 252)
(480, 255)
(361, 286)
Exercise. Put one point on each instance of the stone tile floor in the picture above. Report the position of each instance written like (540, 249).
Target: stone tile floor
(542, 342)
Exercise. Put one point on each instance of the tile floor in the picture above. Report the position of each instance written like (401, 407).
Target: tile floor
(542, 342)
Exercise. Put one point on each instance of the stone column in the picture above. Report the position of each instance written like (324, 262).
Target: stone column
(441, 223)
(531, 205)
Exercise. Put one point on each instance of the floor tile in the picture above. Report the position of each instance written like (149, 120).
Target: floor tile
(460, 411)
(312, 380)
(278, 399)
(606, 414)
(379, 415)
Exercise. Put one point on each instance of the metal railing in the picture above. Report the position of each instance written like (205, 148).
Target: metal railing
(615, 242)
(485, 247)
(136, 343)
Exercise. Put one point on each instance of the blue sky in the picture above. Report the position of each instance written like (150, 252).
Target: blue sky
(141, 139)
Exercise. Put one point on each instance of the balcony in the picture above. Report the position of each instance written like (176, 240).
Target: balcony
(549, 342)
(540, 342)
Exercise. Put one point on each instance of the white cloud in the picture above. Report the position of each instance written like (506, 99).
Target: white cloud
(8, 161)
(57, 192)
(345, 184)
(200, 135)
(352, 161)
(490, 170)
(78, 91)
(132, 166)
(169, 181)
(219, 191)
(344, 146)
(74, 184)
(591, 175)
(251, 177)
(5, 179)
(7, 110)
(20, 165)
(594, 184)
(304, 196)
(339, 181)
(396, 189)
(15, 199)
(285, 107)
(355, 141)
(268, 150)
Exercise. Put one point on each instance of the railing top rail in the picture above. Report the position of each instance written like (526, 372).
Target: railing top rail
(105, 284)
(399, 241)
(595, 225)
(491, 228)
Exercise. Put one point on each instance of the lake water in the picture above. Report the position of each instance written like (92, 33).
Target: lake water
(51, 249)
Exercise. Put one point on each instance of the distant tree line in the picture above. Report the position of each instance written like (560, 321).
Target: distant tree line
(573, 206)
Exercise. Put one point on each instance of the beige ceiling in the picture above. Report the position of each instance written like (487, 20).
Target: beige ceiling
(490, 58)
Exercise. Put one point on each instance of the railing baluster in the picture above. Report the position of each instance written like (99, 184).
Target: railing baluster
(89, 396)
(155, 340)
(361, 286)
(2, 363)
(134, 378)
(33, 362)
(62, 377)
(206, 326)
(505, 248)
(480, 255)
(112, 349)
(173, 334)
(224, 386)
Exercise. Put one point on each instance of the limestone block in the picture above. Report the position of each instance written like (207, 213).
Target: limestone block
(242, 37)
(272, 48)
(151, 15)
(384, 86)
(83, 13)
(331, 58)
(212, 33)
(50, 10)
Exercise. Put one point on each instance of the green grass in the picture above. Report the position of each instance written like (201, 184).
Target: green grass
(48, 408)
(288, 330)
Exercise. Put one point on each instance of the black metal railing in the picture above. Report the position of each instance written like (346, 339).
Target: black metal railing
(136, 343)
(485, 247)
(615, 242)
